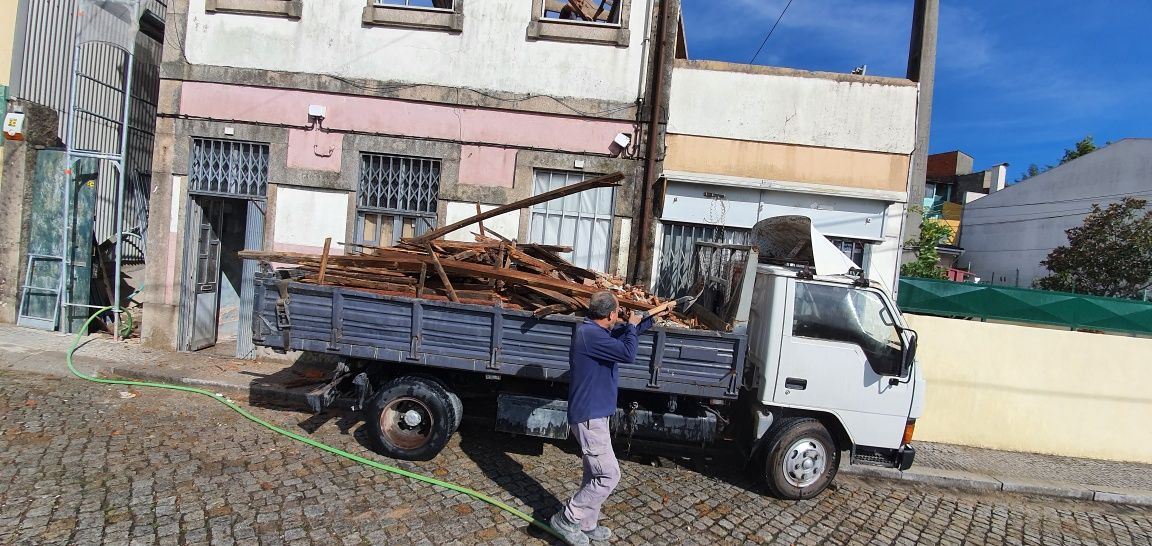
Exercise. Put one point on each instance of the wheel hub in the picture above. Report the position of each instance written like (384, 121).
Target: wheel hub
(804, 462)
(412, 418)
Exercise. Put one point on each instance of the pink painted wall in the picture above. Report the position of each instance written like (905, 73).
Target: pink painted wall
(314, 150)
(487, 166)
(389, 116)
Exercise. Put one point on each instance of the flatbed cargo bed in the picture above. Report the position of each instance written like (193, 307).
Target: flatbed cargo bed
(487, 339)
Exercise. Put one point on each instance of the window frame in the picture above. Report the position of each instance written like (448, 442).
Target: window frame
(290, 9)
(425, 220)
(558, 210)
(590, 32)
(415, 17)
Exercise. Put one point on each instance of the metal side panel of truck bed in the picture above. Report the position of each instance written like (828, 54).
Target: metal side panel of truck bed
(487, 339)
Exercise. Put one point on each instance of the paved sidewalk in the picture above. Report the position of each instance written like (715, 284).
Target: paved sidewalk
(283, 380)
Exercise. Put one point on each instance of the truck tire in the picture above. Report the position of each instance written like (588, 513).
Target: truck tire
(411, 418)
(458, 406)
(800, 458)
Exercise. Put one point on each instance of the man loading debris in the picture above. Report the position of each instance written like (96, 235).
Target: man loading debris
(597, 346)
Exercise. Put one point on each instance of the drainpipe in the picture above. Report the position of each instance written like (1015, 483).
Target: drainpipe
(644, 234)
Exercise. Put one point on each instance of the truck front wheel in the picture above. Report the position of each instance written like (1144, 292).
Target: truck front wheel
(411, 418)
(800, 459)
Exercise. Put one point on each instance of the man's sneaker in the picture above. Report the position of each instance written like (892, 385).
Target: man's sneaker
(599, 534)
(568, 530)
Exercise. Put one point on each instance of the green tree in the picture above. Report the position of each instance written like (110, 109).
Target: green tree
(1110, 254)
(1084, 147)
(927, 262)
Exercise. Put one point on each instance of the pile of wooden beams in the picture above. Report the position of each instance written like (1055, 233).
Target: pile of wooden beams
(490, 271)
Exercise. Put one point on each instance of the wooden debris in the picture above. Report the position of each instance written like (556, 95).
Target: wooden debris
(490, 271)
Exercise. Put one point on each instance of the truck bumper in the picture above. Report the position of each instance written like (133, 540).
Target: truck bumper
(905, 456)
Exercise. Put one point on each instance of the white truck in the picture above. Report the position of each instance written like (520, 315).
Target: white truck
(809, 361)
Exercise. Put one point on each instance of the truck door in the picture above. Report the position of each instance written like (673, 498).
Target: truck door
(839, 353)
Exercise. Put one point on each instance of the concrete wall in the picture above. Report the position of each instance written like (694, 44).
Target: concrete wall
(1005, 235)
(1037, 390)
(762, 104)
(490, 52)
(8, 10)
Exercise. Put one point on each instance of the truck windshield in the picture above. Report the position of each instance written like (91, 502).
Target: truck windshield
(839, 313)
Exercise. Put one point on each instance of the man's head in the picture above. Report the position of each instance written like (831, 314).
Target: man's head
(602, 306)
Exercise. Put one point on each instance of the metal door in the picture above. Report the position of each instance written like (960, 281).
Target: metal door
(207, 220)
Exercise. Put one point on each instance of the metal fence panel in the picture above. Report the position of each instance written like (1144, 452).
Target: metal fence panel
(1077, 311)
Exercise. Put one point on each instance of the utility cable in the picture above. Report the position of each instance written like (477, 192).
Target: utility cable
(336, 451)
(773, 29)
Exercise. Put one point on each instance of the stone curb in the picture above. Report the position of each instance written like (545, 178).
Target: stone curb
(970, 481)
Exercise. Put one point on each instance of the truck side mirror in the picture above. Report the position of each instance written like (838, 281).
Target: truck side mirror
(909, 352)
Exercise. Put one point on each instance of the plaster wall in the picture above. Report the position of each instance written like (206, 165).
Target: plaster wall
(1037, 390)
(491, 52)
(789, 162)
(8, 10)
(507, 224)
(1006, 234)
(400, 118)
(305, 217)
(793, 107)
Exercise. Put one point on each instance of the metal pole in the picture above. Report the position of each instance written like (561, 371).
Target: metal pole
(124, 129)
(66, 258)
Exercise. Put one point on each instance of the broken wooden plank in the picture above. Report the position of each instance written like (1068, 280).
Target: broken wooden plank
(551, 309)
(443, 275)
(324, 260)
(423, 277)
(598, 182)
(480, 222)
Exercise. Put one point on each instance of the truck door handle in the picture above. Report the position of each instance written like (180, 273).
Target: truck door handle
(795, 383)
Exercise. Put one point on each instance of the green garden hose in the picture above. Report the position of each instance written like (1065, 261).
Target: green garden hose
(235, 407)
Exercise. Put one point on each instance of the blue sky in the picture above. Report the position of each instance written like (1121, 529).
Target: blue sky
(1016, 81)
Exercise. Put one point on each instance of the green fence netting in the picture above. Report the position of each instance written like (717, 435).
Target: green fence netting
(1076, 311)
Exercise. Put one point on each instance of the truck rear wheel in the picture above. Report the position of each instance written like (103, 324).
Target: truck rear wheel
(800, 459)
(411, 418)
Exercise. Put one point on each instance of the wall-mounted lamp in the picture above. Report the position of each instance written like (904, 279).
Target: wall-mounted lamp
(316, 114)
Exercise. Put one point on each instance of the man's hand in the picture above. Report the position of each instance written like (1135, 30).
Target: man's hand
(635, 317)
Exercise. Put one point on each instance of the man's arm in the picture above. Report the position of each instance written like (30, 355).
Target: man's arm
(612, 347)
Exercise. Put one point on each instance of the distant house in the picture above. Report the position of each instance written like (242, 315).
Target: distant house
(1005, 235)
(950, 183)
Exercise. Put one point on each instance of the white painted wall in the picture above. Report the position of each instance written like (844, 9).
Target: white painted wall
(491, 52)
(306, 217)
(1006, 234)
(791, 109)
(507, 224)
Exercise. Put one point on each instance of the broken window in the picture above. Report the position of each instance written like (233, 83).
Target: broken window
(852, 248)
(396, 198)
(582, 221)
(590, 11)
(437, 4)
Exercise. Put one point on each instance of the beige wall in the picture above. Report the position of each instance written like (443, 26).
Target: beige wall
(7, 36)
(787, 162)
(1037, 390)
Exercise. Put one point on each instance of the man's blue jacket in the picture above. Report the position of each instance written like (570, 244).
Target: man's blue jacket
(592, 359)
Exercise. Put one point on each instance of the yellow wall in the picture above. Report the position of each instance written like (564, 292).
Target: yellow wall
(788, 162)
(1037, 390)
(7, 36)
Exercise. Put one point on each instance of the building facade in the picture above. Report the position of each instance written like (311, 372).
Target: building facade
(748, 142)
(283, 123)
(1008, 233)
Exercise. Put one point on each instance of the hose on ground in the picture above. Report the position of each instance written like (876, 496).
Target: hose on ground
(335, 451)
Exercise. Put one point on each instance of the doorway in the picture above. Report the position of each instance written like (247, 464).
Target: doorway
(219, 285)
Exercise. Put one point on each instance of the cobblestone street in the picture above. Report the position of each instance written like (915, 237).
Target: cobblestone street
(81, 463)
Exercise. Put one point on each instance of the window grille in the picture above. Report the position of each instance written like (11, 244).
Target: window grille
(851, 248)
(229, 168)
(396, 198)
(582, 221)
(677, 248)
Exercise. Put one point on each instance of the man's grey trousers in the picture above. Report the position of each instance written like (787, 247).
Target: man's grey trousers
(601, 473)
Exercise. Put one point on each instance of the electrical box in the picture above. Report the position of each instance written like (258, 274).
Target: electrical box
(14, 126)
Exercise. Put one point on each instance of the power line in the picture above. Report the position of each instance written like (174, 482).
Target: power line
(773, 29)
